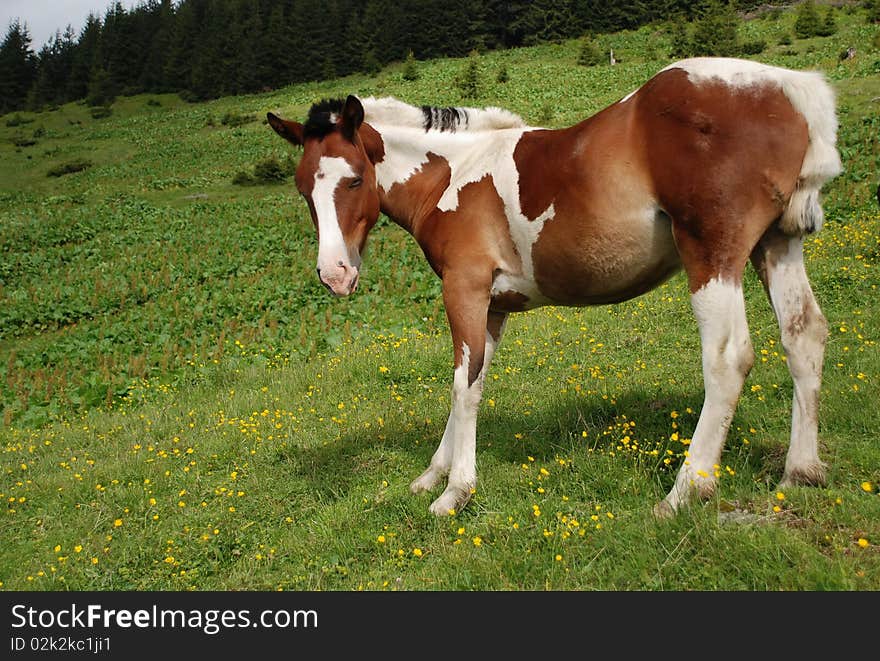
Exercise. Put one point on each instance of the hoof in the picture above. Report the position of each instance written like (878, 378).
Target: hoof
(663, 510)
(812, 475)
(450, 501)
(426, 481)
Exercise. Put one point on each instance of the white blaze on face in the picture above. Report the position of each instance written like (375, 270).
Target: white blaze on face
(331, 244)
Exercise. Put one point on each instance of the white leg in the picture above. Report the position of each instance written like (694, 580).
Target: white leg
(463, 472)
(727, 358)
(460, 436)
(803, 330)
(441, 461)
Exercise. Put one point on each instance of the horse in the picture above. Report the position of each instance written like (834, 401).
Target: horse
(712, 163)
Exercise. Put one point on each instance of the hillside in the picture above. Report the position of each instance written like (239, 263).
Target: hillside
(185, 407)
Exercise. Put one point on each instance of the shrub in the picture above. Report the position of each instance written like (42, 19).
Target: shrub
(681, 40)
(22, 141)
(69, 168)
(100, 112)
(754, 47)
(807, 23)
(269, 171)
(589, 54)
(469, 79)
(242, 178)
(715, 33)
(785, 40)
(154, 103)
(410, 69)
(503, 76)
(235, 119)
(829, 25)
(18, 120)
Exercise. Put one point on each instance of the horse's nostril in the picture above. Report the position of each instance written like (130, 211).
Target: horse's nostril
(340, 263)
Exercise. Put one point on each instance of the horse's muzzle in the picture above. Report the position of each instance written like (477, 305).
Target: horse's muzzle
(341, 280)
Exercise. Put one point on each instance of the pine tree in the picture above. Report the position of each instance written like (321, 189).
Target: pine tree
(681, 40)
(873, 7)
(102, 90)
(829, 25)
(17, 67)
(589, 54)
(807, 23)
(715, 32)
(410, 69)
(469, 80)
(85, 58)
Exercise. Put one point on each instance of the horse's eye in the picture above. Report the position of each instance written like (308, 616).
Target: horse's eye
(357, 181)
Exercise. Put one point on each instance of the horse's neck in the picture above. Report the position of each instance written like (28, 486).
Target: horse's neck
(413, 170)
(416, 169)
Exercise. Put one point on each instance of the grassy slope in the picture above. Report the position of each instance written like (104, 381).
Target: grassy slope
(243, 465)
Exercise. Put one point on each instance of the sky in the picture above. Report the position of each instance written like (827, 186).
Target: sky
(44, 17)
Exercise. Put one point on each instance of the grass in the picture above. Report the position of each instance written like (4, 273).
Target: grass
(186, 408)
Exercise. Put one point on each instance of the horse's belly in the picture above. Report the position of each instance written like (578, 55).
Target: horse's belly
(592, 262)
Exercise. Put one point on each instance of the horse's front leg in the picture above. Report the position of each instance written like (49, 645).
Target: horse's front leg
(475, 333)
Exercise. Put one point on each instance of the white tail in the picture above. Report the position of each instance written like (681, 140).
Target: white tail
(812, 97)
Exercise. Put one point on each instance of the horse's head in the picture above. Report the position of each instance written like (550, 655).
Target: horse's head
(338, 181)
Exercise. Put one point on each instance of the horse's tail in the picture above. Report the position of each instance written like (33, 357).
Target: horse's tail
(812, 97)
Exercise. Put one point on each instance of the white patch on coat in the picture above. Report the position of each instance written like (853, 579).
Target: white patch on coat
(485, 148)
(390, 111)
(331, 244)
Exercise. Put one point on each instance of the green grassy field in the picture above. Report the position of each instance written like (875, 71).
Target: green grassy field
(185, 407)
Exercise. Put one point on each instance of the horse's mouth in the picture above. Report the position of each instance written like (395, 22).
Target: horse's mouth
(342, 288)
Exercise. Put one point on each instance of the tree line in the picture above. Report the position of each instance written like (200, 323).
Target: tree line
(208, 48)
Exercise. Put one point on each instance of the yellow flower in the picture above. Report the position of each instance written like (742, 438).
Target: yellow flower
(863, 542)
(777, 508)
(117, 523)
(381, 539)
(867, 486)
(558, 557)
(780, 495)
(478, 541)
(417, 553)
(57, 548)
(383, 369)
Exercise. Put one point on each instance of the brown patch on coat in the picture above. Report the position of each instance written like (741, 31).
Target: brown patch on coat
(410, 202)
(509, 301)
(606, 241)
(724, 162)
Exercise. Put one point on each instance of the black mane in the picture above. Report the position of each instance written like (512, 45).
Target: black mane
(322, 118)
(444, 119)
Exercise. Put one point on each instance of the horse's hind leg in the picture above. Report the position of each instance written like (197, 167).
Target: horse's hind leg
(719, 307)
(779, 261)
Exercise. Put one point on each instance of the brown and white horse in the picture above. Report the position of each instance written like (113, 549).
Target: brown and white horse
(709, 164)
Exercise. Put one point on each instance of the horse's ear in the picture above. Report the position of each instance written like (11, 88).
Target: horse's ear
(290, 131)
(352, 117)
